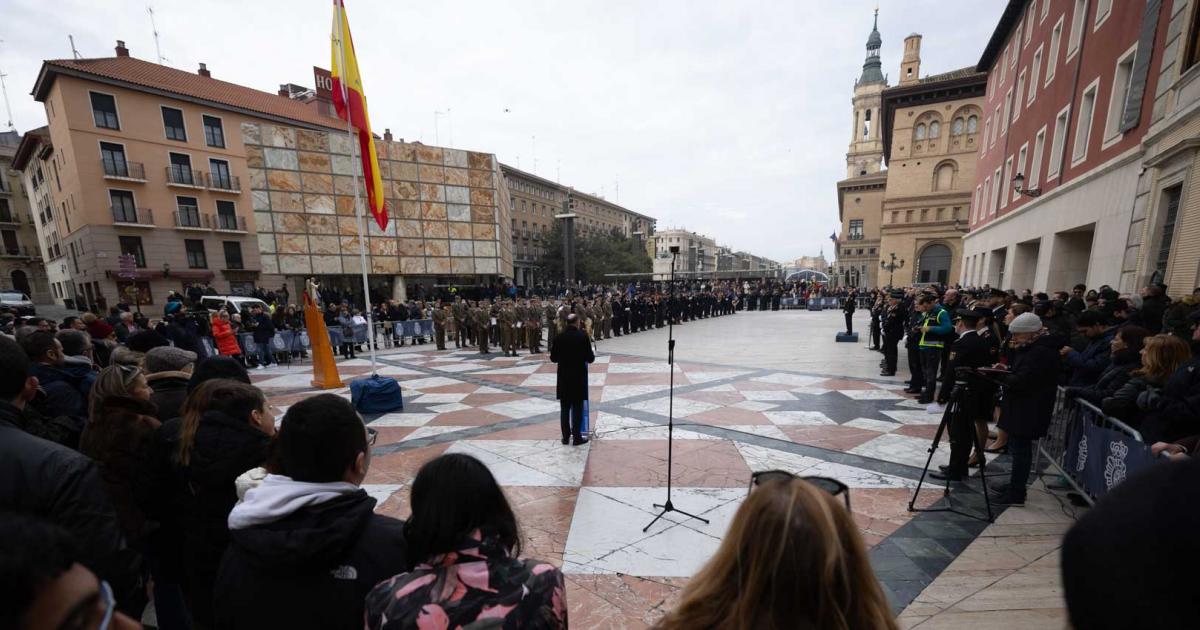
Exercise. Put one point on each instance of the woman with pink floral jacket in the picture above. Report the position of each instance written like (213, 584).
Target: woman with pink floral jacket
(465, 536)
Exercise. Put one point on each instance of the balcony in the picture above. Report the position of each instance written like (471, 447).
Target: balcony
(228, 223)
(189, 218)
(136, 217)
(228, 183)
(124, 171)
(8, 218)
(183, 176)
(19, 251)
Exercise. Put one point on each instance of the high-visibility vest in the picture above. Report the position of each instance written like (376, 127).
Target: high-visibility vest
(931, 339)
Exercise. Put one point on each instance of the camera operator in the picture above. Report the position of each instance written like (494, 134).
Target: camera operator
(968, 352)
(1029, 389)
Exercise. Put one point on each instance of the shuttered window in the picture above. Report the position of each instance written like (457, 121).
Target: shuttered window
(1141, 67)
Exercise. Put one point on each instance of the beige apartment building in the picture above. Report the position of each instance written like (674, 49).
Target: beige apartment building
(931, 134)
(21, 255)
(205, 181)
(535, 201)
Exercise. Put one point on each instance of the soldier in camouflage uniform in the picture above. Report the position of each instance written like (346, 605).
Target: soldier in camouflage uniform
(439, 325)
(550, 311)
(480, 317)
(608, 317)
(461, 311)
(508, 330)
(533, 326)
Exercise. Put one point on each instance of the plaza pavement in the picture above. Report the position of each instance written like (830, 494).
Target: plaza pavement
(754, 391)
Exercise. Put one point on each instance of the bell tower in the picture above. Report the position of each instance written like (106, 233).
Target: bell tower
(865, 155)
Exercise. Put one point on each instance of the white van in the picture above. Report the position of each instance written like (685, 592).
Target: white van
(232, 303)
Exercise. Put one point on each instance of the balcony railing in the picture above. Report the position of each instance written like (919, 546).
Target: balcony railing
(218, 181)
(121, 169)
(183, 176)
(189, 217)
(229, 223)
(132, 216)
(19, 251)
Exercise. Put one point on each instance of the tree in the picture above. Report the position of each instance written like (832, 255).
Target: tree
(595, 256)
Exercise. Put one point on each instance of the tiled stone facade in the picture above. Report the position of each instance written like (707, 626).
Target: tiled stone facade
(448, 209)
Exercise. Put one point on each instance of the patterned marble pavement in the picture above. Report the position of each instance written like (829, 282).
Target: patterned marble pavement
(584, 508)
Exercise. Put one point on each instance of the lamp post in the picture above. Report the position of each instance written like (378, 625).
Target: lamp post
(1018, 184)
(891, 267)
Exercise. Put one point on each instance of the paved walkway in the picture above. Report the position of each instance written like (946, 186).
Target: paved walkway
(739, 406)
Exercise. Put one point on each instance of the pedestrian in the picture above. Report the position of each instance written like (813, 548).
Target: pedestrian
(226, 338)
(168, 371)
(572, 352)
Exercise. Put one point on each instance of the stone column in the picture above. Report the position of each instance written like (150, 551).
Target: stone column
(399, 292)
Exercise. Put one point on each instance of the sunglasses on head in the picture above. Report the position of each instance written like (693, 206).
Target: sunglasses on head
(828, 484)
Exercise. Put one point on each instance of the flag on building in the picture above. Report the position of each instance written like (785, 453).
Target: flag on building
(351, 103)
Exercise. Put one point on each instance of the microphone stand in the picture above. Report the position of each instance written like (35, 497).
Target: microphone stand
(669, 506)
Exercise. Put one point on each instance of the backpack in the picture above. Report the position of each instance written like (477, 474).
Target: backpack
(376, 394)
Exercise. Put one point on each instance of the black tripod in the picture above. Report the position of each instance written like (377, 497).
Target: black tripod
(669, 506)
(957, 413)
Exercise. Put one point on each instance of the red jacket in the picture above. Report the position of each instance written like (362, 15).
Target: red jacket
(227, 342)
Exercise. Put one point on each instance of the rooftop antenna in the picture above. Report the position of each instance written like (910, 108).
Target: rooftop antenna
(74, 51)
(154, 27)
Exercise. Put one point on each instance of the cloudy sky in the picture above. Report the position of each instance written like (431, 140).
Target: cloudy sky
(727, 118)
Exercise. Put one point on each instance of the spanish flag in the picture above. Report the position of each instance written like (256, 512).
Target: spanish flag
(351, 104)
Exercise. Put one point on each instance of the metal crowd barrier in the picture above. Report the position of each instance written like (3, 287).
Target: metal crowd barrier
(1091, 451)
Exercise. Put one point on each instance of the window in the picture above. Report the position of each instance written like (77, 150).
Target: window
(987, 132)
(943, 177)
(133, 245)
(173, 124)
(956, 127)
(1120, 94)
(113, 158)
(1171, 198)
(226, 216)
(856, 230)
(104, 111)
(1055, 44)
(219, 172)
(1008, 102)
(995, 127)
(1017, 98)
(997, 190)
(1057, 143)
(1192, 54)
(1077, 16)
(233, 255)
(1083, 123)
(867, 123)
(1034, 72)
(214, 133)
(180, 171)
(5, 212)
(187, 213)
(987, 197)
(975, 209)
(935, 129)
(1103, 10)
(1004, 183)
(1020, 166)
(196, 258)
(123, 208)
(1045, 9)
(920, 133)
(1035, 167)
(1029, 21)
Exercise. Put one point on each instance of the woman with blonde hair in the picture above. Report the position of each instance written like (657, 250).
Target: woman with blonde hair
(792, 558)
(1161, 356)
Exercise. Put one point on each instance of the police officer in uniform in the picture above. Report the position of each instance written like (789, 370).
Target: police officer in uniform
(970, 350)
(894, 318)
(848, 306)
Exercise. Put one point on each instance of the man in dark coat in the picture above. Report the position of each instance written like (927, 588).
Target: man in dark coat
(969, 350)
(894, 319)
(572, 352)
(848, 306)
(60, 485)
(306, 546)
(168, 370)
(1154, 306)
(1029, 390)
(1088, 365)
(264, 332)
(66, 387)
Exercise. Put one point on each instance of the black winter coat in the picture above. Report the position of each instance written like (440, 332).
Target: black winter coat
(572, 351)
(1175, 411)
(1030, 388)
(169, 390)
(1114, 377)
(201, 495)
(310, 569)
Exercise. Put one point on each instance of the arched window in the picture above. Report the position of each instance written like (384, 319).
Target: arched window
(933, 265)
(934, 128)
(956, 128)
(920, 131)
(943, 177)
(972, 123)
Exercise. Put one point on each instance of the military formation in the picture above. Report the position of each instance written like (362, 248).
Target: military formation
(513, 325)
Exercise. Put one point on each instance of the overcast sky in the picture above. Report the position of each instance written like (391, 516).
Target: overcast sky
(728, 118)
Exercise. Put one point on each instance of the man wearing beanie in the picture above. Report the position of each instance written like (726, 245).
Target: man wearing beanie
(168, 370)
(1029, 389)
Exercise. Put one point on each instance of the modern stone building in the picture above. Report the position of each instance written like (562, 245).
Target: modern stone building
(535, 201)
(860, 195)
(1069, 183)
(206, 181)
(21, 254)
(931, 131)
(700, 256)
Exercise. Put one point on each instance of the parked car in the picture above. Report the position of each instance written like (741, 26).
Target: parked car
(233, 303)
(18, 303)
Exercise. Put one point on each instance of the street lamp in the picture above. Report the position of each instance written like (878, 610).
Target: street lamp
(891, 267)
(1018, 184)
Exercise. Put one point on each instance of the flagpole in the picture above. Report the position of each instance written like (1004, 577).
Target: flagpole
(358, 214)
